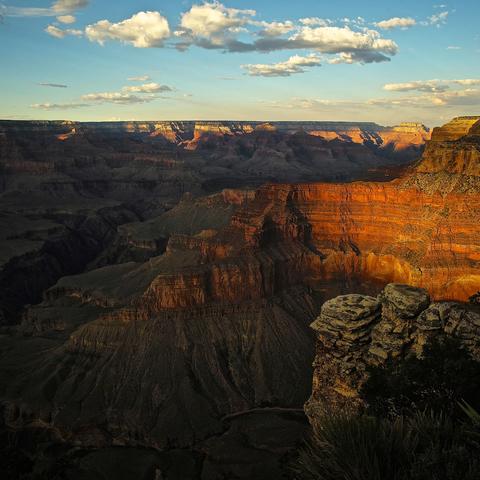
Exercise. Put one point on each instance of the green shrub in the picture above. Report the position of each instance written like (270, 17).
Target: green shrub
(425, 446)
(358, 448)
(445, 376)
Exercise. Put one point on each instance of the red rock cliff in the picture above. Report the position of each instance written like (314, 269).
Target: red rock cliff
(158, 352)
(421, 229)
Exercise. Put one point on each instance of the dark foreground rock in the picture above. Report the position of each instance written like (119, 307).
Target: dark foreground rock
(357, 331)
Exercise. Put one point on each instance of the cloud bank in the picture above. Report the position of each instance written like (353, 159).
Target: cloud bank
(295, 64)
(213, 26)
(128, 95)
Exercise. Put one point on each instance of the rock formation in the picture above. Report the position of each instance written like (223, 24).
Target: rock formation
(368, 231)
(54, 171)
(407, 135)
(355, 331)
(197, 309)
(454, 149)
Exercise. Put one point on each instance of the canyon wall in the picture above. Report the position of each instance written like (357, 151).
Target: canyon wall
(158, 352)
(51, 171)
(407, 135)
(420, 229)
(401, 136)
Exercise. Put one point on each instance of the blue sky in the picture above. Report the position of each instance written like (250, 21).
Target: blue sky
(384, 61)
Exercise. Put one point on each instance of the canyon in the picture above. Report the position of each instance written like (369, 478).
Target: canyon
(159, 279)
(66, 186)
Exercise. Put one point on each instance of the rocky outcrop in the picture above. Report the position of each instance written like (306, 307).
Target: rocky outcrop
(344, 336)
(401, 305)
(190, 221)
(454, 148)
(355, 331)
(456, 129)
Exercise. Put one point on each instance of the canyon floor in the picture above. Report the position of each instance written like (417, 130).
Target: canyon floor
(158, 279)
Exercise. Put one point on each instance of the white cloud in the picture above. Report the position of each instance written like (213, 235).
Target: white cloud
(397, 22)
(342, 58)
(141, 78)
(121, 98)
(353, 57)
(130, 94)
(338, 39)
(60, 33)
(58, 8)
(314, 104)
(359, 21)
(432, 86)
(142, 30)
(214, 18)
(417, 85)
(295, 64)
(453, 47)
(210, 25)
(468, 97)
(147, 88)
(434, 93)
(437, 19)
(365, 46)
(275, 29)
(68, 6)
(467, 81)
(465, 97)
(315, 22)
(443, 100)
(58, 106)
(66, 19)
(214, 26)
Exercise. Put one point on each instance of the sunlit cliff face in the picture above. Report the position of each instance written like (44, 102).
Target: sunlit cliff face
(421, 229)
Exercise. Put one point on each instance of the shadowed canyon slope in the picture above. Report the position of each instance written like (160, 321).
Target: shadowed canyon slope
(182, 318)
(65, 187)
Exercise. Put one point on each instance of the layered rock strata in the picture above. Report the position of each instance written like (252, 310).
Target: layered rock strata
(420, 229)
(407, 135)
(159, 352)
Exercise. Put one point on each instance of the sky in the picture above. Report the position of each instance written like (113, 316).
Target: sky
(352, 60)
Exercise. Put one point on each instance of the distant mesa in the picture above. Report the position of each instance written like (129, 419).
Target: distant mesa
(454, 148)
(457, 128)
(265, 127)
(191, 134)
